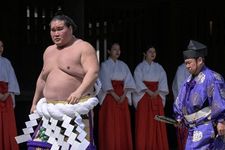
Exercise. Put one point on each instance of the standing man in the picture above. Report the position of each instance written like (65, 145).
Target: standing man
(9, 87)
(200, 104)
(69, 72)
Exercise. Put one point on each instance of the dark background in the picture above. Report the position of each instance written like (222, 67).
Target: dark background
(167, 24)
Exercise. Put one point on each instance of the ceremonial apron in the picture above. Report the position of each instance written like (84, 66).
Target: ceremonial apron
(40, 143)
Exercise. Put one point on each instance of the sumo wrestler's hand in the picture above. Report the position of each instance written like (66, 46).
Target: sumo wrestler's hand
(74, 98)
(33, 108)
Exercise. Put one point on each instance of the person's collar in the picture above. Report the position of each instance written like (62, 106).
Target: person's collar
(149, 63)
(200, 77)
(199, 69)
(112, 60)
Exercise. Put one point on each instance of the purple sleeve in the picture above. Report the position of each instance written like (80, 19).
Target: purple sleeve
(218, 101)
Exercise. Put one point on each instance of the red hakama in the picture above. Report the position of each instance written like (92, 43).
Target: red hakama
(8, 129)
(149, 133)
(114, 122)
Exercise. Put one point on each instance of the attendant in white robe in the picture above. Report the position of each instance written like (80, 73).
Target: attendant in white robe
(149, 100)
(178, 81)
(180, 76)
(115, 98)
(9, 87)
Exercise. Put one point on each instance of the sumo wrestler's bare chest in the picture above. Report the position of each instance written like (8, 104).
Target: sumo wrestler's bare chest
(70, 63)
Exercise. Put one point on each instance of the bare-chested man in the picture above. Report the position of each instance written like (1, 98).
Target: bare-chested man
(70, 67)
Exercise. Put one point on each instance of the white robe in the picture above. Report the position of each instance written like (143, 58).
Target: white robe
(118, 70)
(180, 76)
(7, 74)
(153, 72)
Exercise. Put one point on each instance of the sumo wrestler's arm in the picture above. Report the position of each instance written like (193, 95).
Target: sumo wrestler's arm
(90, 66)
(38, 92)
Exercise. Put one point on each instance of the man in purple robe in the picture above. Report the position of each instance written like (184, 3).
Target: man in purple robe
(200, 104)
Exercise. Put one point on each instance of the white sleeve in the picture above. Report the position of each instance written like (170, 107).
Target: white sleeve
(13, 83)
(105, 79)
(138, 76)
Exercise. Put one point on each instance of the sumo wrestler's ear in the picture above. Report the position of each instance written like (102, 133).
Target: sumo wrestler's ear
(71, 29)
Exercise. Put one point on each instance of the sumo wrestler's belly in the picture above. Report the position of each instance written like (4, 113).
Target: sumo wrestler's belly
(60, 85)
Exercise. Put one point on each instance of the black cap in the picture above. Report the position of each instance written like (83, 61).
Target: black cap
(194, 50)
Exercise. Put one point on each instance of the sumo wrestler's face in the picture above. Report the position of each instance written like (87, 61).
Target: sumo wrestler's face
(60, 33)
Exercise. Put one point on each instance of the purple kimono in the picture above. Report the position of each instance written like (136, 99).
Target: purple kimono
(200, 105)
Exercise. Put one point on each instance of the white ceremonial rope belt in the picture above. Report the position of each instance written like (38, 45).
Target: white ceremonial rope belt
(58, 110)
(205, 112)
